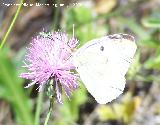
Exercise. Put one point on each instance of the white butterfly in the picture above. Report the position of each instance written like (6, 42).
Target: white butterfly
(102, 64)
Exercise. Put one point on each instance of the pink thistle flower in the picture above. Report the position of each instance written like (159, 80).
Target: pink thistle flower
(49, 57)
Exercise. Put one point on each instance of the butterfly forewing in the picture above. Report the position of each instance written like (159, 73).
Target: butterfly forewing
(102, 64)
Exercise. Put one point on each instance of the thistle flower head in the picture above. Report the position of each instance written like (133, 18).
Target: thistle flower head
(49, 57)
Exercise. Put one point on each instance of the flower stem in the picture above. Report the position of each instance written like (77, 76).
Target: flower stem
(48, 116)
(38, 108)
(11, 25)
(51, 97)
(50, 111)
(55, 18)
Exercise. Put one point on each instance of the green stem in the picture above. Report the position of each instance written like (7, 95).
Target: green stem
(38, 108)
(51, 97)
(48, 116)
(50, 111)
(12, 24)
(55, 18)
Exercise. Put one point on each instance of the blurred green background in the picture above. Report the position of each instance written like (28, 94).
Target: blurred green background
(140, 102)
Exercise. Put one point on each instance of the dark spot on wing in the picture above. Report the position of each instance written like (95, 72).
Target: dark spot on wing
(102, 48)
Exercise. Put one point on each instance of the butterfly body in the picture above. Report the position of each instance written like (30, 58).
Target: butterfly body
(102, 64)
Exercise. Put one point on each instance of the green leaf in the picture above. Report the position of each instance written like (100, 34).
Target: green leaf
(12, 91)
(150, 43)
(135, 66)
(154, 61)
(76, 15)
(82, 14)
(151, 22)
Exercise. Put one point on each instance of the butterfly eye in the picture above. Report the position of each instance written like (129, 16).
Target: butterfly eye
(102, 48)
